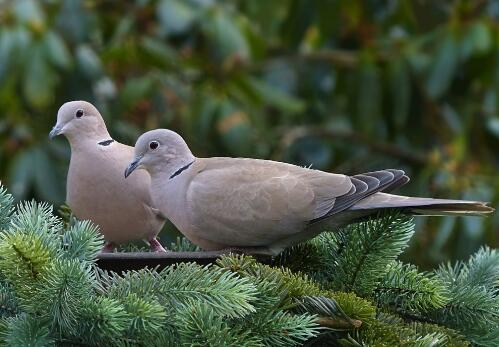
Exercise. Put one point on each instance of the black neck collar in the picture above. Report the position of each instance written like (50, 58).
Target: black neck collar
(183, 168)
(106, 142)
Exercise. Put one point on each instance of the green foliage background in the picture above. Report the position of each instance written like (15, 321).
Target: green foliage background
(348, 86)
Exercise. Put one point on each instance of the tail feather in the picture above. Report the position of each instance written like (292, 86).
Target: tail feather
(423, 206)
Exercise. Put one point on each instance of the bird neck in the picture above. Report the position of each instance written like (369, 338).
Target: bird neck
(173, 168)
(88, 140)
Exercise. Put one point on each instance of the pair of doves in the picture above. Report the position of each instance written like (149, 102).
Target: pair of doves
(257, 206)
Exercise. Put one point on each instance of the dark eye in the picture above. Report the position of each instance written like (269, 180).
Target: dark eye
(153, 145)
(79, 113)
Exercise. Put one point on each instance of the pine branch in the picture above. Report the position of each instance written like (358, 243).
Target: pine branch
(284, 329)
(182, 244)
(473, 308)
(295, 283)
(330, 313)
(225, 292)
(26, 330)
(25, 258)
(482, 269)
(276, 288)
(406, 289)
(33, 217)
(199, 325)
(314, 257)
(369, 247)
(9, 305)
(51, 292)
(6, 207)
(146, 315)
(82, 241)
(396, 334)
(354, 306)
(450, 337)
(59, 293)
(102, 321)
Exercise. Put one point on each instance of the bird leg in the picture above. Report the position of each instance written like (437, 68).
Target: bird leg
(108, 247)
(156, 246)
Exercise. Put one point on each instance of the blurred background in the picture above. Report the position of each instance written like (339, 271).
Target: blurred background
(344, 86)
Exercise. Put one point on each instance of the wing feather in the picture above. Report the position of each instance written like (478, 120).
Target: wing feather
(260, 199)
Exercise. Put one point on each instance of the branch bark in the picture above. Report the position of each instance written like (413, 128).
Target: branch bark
(386, 148)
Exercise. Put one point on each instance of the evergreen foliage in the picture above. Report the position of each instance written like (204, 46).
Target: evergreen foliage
(409, 290)
(339, 289)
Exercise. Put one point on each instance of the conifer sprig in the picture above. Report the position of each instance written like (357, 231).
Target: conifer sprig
(351, 292)
(405, 289)
(6, 207)
(368, 249)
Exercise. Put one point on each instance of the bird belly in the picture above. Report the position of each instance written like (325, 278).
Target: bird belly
(112, 204)
(252, 233)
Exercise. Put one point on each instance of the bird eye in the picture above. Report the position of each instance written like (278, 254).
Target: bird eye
(153, 145)
(79, 113)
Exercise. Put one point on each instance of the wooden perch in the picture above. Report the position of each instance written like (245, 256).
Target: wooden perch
(120, 262)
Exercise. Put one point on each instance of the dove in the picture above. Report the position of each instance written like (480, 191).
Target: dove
(262, 206)
(96, 189)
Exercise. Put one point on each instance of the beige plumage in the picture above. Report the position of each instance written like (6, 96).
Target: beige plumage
(264, 206)
(96, 189)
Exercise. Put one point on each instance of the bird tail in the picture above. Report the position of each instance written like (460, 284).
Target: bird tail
(423, 206)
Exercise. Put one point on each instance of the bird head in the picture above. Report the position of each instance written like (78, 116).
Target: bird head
(79, 119)
(160, 150)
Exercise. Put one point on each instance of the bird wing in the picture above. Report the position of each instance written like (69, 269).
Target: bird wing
(260, 197)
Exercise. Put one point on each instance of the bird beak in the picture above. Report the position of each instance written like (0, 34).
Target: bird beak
(133, 165)
(55, 131)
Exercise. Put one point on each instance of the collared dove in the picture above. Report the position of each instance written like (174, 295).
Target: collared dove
(96, 189)
(264, 206)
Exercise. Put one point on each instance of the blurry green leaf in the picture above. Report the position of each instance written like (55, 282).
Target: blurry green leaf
(309, 152)
(73, 21)
(105, 88)
(204, 113)
(7, 45)
(28, 11)
(443, 68)
(446, 225)
(135, 89)
(284, 76)
(21, 174)
(255, 41)
(55, 50)
(39, 79)
(490, 101)
(299, 16)
(175, 16)
(22, 39)
(493, 126)
(454, 121)
(235, 130)
(157, 52)
(89, 62)
(477, 40)
(368, 101)
(419, 61)
(276, 97)
(225, 36)
(400, 86)
(123, 30)
(47, 182)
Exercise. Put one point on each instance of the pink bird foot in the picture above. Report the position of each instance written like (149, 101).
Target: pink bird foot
(108, 247)
(156, 246)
